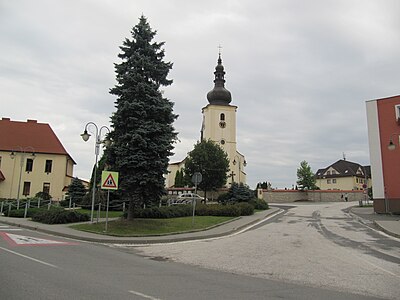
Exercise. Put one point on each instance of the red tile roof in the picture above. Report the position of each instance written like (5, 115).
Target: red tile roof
(15, 135)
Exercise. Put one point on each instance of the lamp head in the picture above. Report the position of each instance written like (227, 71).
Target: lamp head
(12, 155)
(391, 145)
(245, 163)
(85, 135)
(234, 161)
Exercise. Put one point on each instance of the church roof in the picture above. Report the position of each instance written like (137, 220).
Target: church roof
(219, 95)
(39, 137)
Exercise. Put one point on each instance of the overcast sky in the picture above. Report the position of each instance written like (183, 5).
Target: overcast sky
(299, 72)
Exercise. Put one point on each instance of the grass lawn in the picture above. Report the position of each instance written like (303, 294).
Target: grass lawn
(142, 227)
(111, 213)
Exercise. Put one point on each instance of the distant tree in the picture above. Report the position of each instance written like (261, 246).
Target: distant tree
(142, 126)
(76, 190)
(179, 179)
(305, 177)
(211, 161)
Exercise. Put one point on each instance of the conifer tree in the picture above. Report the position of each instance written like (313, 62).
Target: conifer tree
(76, 190)
(142, 126)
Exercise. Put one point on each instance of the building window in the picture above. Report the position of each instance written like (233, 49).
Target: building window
(333, 172)
(47, 167)
(222, 117)
(333, 180)
(27, 188)
(29, 165)
(46, 188)
(328, 173)
(328, 181)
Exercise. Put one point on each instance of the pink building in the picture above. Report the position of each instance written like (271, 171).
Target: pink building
(383, 116)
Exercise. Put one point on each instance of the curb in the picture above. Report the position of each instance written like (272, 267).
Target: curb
(385, 230)
(143, 240)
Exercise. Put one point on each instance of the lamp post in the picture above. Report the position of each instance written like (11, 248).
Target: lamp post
(23, 152)
(240, 162)
(85, 136)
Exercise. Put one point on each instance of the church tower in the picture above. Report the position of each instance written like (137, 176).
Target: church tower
(219, 124)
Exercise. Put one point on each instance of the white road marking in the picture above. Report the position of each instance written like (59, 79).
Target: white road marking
(144, 295)
(28, 257)
(21, 240)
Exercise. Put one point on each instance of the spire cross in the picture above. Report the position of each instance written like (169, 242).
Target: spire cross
(219, 49)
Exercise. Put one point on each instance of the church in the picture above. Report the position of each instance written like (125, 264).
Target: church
(219, 125)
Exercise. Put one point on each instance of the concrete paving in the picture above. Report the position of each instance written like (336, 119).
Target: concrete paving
(389, 224)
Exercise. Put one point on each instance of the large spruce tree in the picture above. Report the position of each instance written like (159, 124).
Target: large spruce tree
(142, 126)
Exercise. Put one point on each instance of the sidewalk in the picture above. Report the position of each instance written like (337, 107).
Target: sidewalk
(64, 230)
(389, 224)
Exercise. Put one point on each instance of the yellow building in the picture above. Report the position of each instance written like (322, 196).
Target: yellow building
(344, 175)
(219, 125)
(32, 160)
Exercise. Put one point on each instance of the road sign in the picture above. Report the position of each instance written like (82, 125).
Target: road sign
(109, 180)
(197, 178)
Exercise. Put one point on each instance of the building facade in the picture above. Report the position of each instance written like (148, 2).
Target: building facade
(32, 160)
(344, 175)
(219, 125)
(383, 117)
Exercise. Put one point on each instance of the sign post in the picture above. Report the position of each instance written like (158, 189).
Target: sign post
(196, 179)
(109, 181)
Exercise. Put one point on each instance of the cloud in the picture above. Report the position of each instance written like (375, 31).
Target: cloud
(299, 72)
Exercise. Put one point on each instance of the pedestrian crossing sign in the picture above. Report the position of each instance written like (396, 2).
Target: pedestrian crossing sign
(109, 180)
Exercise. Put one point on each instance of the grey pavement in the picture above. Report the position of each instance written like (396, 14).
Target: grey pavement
(389, 224)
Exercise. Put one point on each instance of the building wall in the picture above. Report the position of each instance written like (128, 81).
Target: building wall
(287, 196)
(59, 177)
(342, 183)
(385, 164)
(213, 131)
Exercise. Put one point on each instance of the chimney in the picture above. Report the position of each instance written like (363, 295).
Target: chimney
(5, 119)
(32, 121)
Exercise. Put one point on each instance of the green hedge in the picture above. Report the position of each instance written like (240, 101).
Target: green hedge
(175, 211)
(59, 217)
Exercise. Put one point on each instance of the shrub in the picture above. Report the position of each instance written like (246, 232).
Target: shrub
(59, 216)
(176, 211)
(245, 209)
(259, 204)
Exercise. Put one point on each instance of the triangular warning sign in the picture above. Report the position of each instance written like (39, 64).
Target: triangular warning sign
(109, 182)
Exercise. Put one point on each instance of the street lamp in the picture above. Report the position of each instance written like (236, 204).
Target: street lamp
(85, 136)
(23, 152)
(391, 145)
(240, 162)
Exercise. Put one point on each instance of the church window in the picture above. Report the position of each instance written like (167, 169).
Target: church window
(222, 124)
(222, 142)
(222, 117)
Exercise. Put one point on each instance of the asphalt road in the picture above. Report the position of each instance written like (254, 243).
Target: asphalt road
(32, 266)
(315, 245)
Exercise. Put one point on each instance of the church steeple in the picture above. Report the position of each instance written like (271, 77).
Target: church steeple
(219, 95)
